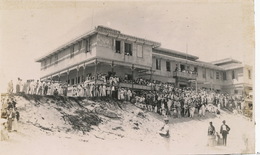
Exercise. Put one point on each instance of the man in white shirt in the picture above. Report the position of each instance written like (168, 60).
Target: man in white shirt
(165, 130)
(224, 130)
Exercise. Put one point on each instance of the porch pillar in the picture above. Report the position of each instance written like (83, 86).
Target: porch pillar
(77, 77)
(196, 85)
(112, 66)
(84, 76)
(95, 71)
(132, 69)
(66, 93)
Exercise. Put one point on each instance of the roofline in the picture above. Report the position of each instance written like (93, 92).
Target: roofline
(90, 33)
(226, 60)
(100, 30)
(176, 52)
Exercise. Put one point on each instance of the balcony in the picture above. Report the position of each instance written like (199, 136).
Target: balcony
(185, 75)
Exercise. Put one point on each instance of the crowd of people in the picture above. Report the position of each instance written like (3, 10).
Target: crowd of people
(9, 116)
(184, 102)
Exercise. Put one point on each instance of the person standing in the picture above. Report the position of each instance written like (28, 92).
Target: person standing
(224, 130)
(211, 134)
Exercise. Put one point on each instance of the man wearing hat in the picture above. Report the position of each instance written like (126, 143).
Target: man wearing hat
(165, 130)
(224, 130)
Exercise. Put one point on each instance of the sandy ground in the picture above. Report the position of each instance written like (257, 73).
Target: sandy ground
(117, 136)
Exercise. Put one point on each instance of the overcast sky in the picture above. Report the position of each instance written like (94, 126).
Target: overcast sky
(212, 29)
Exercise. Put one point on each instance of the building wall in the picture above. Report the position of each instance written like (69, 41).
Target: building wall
(106, 49)
(65, 60)
(248, 78)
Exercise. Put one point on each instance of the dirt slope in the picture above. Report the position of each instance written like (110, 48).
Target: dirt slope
(57, 125)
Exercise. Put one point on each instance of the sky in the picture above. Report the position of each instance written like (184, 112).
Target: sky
(211, 30)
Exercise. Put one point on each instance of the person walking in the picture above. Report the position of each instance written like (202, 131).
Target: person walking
(224, 130)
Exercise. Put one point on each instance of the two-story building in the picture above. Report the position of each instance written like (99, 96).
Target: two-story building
(105, 50)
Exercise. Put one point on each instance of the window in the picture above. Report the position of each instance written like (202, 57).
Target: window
(87, 45)
(139, 51)
(204, 73)
(72, 81)
(56, 58)
(233, 74)
(195, 70)
(80, 45)
(217, 75)
(72, 51)
(236, 91)
(211, 74)
(224, 76)
(118, 46)
(168, 66)
(182, 68)
(45, 64)
(249, 74)
(158, 64)
(128, 49)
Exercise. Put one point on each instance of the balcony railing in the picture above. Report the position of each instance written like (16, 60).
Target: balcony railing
(185, 75)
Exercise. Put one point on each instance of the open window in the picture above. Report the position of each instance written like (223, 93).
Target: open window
(118, 46)
(128, 49)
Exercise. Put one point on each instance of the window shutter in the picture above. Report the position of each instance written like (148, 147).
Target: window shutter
(113, 44)
(87, 45)
(123, 47)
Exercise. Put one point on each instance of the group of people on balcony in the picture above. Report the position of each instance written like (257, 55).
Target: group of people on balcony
(186, 70)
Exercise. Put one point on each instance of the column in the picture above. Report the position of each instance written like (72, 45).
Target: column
(66, 93)
(151, 77)
(112, 66)
(77, 76)
(132, 69)
(196, 85)
(84, 76)
(95, 71)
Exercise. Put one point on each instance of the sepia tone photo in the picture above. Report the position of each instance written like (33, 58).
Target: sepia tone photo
(134, 77)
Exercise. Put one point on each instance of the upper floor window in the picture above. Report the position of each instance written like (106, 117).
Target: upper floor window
(168, 66)
(224, 76)
(87, 45)
(233, 74)
(182, 67)
(50, 60)
(195, 69)
(211, 74)
(128, 49)
(249, 74)
(80, 45)
(139, 51)
(45, 64)
(72, 51)
(56, 58)
(217, 75)
(204, 73)
(118, 46)
(158, 64)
